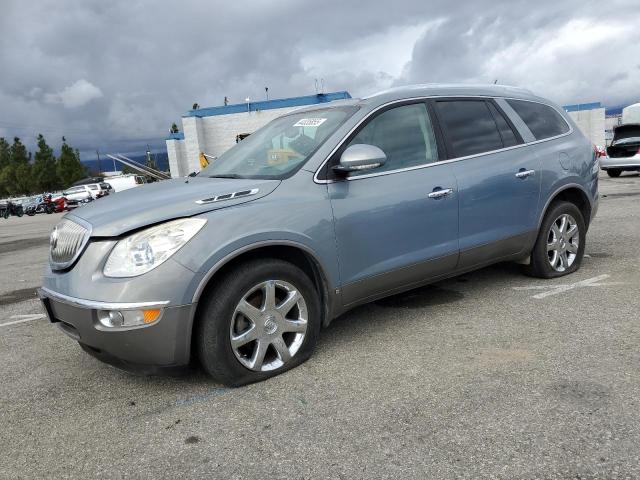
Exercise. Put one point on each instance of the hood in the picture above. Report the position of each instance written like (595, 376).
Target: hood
(157, 202)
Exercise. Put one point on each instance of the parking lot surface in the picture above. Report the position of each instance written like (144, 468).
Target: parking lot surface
(489, 375)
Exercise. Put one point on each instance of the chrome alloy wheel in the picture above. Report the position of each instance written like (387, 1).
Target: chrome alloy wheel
(563, 241)
(268, 325)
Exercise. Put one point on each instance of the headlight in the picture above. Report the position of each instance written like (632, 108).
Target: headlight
(145, 250)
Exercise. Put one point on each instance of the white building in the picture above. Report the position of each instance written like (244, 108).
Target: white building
(590, 118)
(214, 130)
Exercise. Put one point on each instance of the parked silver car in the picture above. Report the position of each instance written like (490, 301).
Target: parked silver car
(323, 209)
(623, 155)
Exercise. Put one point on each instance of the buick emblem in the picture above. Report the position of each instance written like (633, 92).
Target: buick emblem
(53, 238)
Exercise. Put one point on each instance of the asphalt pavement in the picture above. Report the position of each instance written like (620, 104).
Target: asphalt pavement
(489, 375)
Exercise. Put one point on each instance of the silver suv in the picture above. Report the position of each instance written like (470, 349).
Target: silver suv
(321, 210)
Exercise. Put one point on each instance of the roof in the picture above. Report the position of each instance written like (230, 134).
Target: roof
(268, 104)
(444, 90)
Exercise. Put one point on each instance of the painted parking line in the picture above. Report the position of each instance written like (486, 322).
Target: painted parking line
(23, 318)
(565, 287)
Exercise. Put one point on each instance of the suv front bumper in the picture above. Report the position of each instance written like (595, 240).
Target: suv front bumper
(164, 343)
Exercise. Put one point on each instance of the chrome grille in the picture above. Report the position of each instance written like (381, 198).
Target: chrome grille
(66, 242)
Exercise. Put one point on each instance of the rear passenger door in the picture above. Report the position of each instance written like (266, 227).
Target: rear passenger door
(498, 183)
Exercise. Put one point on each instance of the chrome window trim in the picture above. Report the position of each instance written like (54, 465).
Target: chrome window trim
(83, 223)
(442, 162)
(96, 305)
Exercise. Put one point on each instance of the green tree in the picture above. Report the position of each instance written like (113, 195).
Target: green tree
(174, 128)
(45, 178)
(4, 164)
(4, 153)
(18, 176)
(69, 168)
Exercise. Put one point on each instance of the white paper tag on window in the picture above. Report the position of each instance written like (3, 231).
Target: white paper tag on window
(309, 122)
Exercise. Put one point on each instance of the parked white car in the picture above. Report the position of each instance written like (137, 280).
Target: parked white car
(125, 182)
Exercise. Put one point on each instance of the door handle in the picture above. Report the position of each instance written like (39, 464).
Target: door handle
(525, 173)
(443, 192)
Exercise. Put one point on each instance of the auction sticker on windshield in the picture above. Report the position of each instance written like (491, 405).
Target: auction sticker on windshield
(309, 122)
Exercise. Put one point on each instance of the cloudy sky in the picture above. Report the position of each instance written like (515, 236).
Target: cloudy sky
(115, 74)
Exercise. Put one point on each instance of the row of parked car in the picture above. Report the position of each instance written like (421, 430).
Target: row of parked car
(78, 194)
(48, 203)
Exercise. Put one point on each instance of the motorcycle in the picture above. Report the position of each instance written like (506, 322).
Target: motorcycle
(59, 203)
(41, 204)
(11, 208)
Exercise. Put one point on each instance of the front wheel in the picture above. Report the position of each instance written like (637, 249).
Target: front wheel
(260, 319)
(560, 245)
(614, 172)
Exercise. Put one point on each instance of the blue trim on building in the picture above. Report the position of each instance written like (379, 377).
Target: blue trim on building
(582, 106)
(613, 111)
(268, 104)
(175, 136)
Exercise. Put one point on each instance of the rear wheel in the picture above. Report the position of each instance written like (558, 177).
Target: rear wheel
(261, 319)
(560, 245)
(614, 172)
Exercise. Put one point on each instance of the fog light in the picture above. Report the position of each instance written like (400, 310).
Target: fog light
(111, 318)
(128, 318)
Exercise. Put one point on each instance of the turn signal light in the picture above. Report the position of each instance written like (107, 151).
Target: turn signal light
(151, 315)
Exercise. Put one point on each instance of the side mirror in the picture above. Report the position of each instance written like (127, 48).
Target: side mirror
(360, 157)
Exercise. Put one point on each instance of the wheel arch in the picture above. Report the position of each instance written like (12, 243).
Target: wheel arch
(573, 193)
(298, 254)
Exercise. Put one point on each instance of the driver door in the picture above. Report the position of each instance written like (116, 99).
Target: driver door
(395, 227)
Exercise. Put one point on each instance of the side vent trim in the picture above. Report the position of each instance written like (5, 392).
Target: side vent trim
(228, 196)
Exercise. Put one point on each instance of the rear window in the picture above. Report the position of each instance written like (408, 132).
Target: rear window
(542, 120)
(469, 127)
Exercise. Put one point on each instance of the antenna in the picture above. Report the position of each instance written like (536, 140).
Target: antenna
(266, 91)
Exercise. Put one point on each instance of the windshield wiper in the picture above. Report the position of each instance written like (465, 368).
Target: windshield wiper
(226, 175)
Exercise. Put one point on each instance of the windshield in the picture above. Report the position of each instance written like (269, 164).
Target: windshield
(279, 148)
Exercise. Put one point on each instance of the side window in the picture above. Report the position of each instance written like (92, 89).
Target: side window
(404, 134)
(542, 120)
(468, 126)
(509, 138)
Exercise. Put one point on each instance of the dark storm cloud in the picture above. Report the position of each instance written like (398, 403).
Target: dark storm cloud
(114, 75)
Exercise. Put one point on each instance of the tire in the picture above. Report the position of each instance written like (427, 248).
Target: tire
(614, 172)
(6, 213)
(542, 259)
(20, 212)
(219, 318)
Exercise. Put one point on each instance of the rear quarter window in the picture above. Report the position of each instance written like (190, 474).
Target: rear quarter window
(543, 120)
